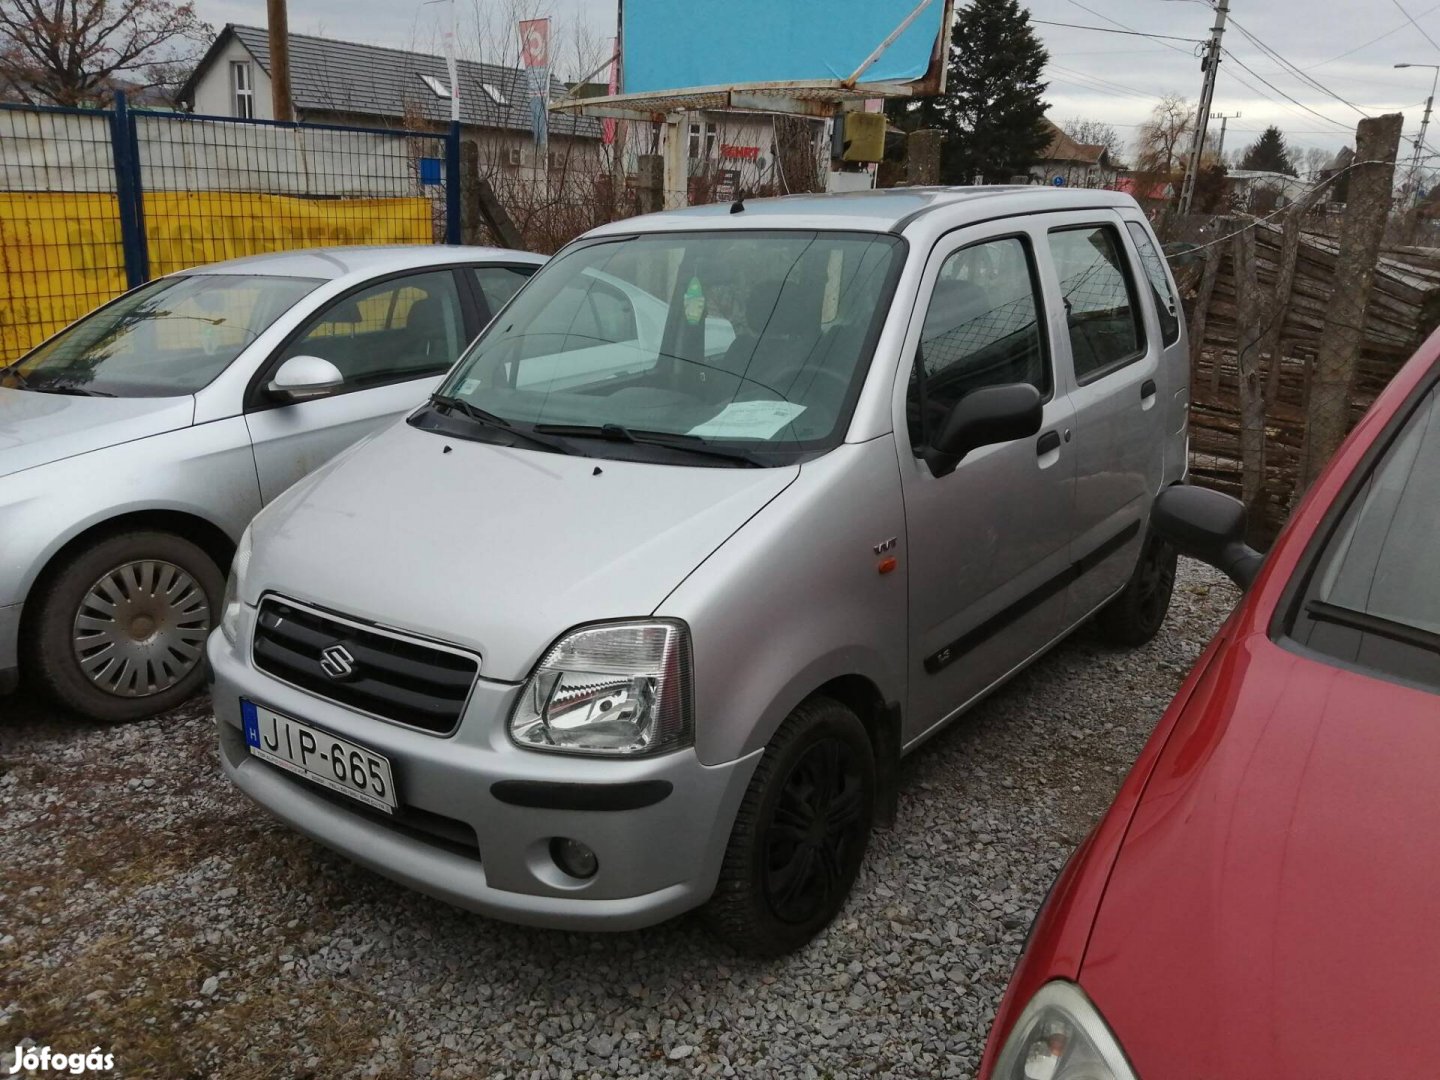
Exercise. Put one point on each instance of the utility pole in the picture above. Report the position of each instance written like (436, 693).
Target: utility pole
(1411, 189)
(1224, 119)
(279, 24)
(450, 67)
(1210, 66)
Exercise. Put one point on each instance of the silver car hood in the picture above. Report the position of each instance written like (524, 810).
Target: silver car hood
(495, 549)
(36, 428)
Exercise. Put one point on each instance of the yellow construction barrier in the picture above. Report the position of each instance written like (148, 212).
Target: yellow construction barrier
(61, 254)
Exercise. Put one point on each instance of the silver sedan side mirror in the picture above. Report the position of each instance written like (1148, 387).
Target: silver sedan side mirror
(303, 377)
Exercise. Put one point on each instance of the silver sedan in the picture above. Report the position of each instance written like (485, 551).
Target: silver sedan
(136, 445)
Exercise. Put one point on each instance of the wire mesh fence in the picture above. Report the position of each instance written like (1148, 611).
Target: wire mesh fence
(95, 201)
(217, 189)
(60, 242)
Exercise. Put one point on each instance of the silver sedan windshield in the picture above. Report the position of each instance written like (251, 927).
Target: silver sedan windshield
(170, 337)
(758, 338)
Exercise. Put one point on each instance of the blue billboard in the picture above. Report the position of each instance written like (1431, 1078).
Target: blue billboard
(675, 44)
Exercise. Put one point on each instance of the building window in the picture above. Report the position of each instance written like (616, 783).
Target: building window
(493, 92)
(702, 141)
(242, 85)
(438, 88)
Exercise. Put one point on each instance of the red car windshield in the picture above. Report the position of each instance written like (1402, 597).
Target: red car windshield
(1373, 600)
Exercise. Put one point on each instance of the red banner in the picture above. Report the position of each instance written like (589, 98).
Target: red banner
(607, 127)
(534, 43)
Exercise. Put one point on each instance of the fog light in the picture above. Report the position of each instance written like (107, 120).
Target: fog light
(573, 857)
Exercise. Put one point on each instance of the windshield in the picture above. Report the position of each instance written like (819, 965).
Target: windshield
(1383, 561)
(758, 340)
(1375, 596)
(170, 337)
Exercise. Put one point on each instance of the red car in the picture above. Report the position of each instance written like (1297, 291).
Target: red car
(1262, 899)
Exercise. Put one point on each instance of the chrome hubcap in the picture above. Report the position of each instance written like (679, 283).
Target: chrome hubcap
(141, 628)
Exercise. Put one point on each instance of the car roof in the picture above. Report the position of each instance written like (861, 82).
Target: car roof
(880, 210)
(332, 263)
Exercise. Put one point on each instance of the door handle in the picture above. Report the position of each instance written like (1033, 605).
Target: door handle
(1046, 443)
(1147, 389)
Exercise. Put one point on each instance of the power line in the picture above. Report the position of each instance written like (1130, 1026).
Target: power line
(1097, 90)
(1133, 91)
(1415, 24)
(1108, 30)
(1372, 41)
(1272, 98)
(1284, 63)
(1287, 97)
(1115, 22)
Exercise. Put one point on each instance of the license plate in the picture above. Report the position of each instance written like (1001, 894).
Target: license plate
(320, 757)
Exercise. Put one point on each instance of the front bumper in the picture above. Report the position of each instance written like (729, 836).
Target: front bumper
(9, 647)
(655, 860)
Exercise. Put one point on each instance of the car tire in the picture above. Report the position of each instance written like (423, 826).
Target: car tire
(1137, 613)
(119, 629)
(800, 833)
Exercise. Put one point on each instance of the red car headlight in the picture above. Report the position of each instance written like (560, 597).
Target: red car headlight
(1061, 1036)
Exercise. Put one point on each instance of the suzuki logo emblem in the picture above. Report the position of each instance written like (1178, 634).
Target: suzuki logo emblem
(337, 662)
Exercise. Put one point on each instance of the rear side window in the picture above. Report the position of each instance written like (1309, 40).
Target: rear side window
(499, 283)
(981, 329)
(1373, 599)
(1166, 305)
(1100, 308)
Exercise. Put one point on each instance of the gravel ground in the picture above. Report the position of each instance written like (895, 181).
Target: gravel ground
(149, 909)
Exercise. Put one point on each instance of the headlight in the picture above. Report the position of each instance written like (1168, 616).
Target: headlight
(614, 688)
(1060, 1036)
(231, 605)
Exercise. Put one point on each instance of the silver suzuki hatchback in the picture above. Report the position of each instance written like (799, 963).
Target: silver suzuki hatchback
(726, 511)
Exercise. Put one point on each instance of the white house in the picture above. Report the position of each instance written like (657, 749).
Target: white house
(339, 82)
(1073, 163)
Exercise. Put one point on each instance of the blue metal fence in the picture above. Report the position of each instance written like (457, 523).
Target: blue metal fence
(102, 200)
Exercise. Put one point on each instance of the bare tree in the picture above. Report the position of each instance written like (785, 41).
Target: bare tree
(76, 53)
(1097, 133)
(1313, 161)
(1163, 139)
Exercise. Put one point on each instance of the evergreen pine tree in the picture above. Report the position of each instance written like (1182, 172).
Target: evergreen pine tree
(1269, 153)
(992, 110)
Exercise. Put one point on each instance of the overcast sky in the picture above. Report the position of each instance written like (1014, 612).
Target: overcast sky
(1350, 47)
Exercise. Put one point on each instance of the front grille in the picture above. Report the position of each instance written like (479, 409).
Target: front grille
(390, 676)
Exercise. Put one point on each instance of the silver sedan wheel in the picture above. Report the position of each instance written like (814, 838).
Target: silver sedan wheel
(141, 628)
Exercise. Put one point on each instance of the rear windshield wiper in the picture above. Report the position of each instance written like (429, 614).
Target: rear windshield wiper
(489, 419)
(690, 444)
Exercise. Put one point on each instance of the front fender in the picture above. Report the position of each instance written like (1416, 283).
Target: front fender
(206, 471)
(794, 599)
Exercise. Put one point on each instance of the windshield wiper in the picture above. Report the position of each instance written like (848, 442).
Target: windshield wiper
(1369, 623)
(690, 444)
(72, 391)
(489, 419)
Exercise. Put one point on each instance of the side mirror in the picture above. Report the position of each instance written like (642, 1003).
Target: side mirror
(303, 377)
(1209, 526)
(992, 414)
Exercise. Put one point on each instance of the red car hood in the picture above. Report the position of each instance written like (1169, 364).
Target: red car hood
(1275, 907)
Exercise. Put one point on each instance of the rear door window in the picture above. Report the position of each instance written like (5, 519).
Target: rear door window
(498, 283)
(1100, 301)
(1166, 306)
